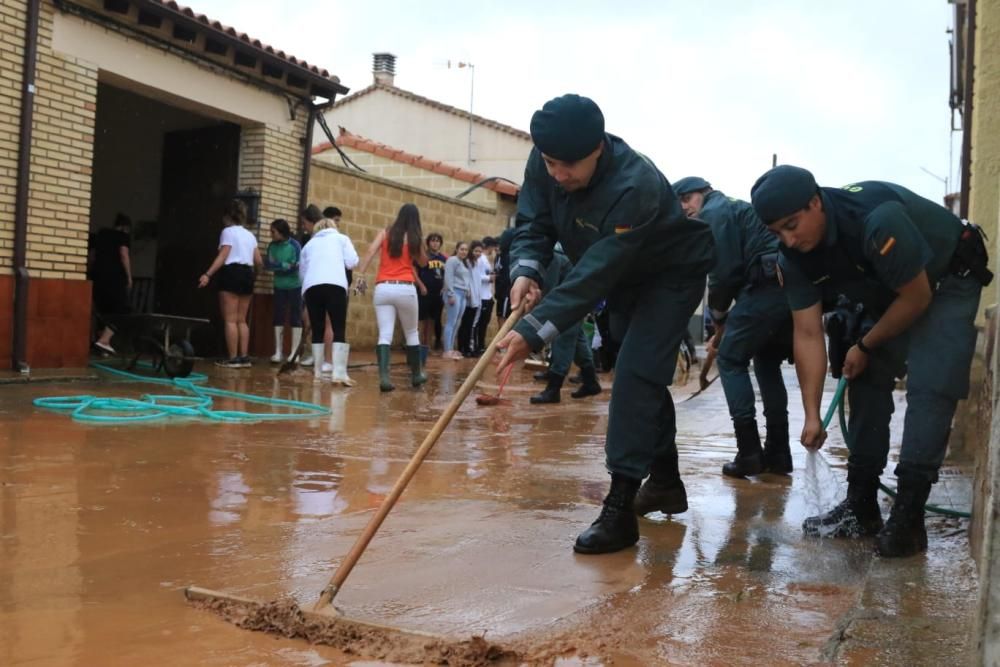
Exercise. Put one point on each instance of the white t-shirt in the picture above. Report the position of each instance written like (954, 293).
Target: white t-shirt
(241, 244)
(481, 274)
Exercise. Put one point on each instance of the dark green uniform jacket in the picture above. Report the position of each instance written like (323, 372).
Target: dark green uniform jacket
(741, 242)
(622, 231)
(879, 236)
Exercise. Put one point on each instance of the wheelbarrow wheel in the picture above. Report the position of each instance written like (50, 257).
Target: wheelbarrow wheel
(177, 361)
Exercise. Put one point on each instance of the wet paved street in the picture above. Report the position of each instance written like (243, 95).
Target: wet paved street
(101, 527)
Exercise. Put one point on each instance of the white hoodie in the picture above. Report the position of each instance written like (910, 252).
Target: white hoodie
(325, 258)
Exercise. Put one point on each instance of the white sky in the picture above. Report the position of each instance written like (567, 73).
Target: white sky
(852, 90)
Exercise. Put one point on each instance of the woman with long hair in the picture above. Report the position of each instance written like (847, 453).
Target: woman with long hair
(238, 256)
(455, 294)
(467, 329)
(401, 250)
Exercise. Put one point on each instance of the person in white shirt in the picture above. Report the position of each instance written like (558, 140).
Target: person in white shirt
(238, 255)
(486, 276)
(323, 268)
(467, 329)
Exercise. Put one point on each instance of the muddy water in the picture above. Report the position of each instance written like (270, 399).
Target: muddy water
(102, 527)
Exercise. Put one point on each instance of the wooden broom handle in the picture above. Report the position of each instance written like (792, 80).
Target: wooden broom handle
(337, 580)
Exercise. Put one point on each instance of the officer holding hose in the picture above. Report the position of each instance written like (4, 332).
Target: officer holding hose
(918, 271)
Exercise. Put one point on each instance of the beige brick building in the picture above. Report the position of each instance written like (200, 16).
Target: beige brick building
(146, 108)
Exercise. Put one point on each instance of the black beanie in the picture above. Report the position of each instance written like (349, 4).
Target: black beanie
(781, 192)
(568, 128)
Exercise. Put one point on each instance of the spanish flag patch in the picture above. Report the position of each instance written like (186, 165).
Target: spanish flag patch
(888, 246)
(621, 229)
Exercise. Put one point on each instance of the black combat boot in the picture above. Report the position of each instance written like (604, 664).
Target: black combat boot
(617, 527)
(904, 533)
(551, 392)
(663, 491)
(748, 452)
(589, 386)
(414, 358)
(777, 453)
(382, 353)
(857, 516)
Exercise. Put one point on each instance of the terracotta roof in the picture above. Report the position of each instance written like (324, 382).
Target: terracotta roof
(369, 146)
(447, 108)
(181, 13)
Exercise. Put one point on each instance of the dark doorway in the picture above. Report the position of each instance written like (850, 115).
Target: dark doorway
(199, 175)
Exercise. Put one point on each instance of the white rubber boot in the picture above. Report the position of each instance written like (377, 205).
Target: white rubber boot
(317, 353)
(279, 347)
(341, 351)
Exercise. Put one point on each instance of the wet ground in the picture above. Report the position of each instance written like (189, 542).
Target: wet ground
(101, 528)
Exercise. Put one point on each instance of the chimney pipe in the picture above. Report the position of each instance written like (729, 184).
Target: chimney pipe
(384, 68)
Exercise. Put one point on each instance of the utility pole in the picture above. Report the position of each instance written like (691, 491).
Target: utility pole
(472, 90)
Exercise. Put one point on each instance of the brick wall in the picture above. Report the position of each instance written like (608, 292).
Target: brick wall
(62, 155)
(370, 203)
(11, 59)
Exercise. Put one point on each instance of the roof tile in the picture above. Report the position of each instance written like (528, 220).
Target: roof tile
(436, 166)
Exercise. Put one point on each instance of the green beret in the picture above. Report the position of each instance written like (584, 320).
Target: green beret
(568, 128)
(690, 184)
(781, 192)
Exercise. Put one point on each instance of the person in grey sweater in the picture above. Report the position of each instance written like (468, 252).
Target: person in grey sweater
(456, 292)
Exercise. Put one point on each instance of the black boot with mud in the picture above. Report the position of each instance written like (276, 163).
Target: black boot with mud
(857, 516)
(551, 392)
(589, 386)
(904, 533)
(777, 457)
(663, 491)
(617, 527)
(748, 459)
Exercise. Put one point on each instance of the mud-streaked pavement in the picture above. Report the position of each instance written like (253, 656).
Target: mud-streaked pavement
(101, 527)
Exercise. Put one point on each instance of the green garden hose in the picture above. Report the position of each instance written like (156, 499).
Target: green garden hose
(838, 404)
(150, 407)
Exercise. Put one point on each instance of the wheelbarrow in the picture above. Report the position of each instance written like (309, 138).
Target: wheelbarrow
(164, 339)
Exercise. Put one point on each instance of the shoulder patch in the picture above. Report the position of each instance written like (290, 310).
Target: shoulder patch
(851, 187)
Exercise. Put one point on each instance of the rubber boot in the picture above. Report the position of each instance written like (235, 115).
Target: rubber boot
(413, 355)
(663, 491)
(589, 386)
(617, 527)
(777, 452)
(317, 349)
(904, 533)
(296, 340)
(857, 516)
(279, 345)
(748, 451)
(382, 353)
(341, 353)
(551, 392)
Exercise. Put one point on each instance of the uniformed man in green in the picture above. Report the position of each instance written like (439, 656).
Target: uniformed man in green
(918, 271)
(758, 328)
(621, 226)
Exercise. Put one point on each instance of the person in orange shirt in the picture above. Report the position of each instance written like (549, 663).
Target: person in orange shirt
(401, 250)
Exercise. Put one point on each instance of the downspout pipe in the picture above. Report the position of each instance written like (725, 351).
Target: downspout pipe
(19, 356)
(970, 77)
(314, 110)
